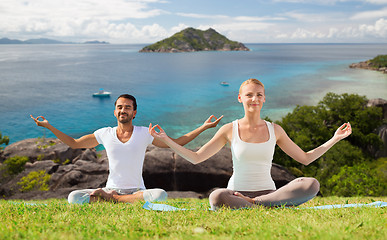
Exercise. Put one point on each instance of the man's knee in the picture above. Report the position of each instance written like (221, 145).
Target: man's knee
(155, 195)
(79, 197)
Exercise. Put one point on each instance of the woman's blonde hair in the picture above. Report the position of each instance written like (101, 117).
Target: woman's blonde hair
(251, 80)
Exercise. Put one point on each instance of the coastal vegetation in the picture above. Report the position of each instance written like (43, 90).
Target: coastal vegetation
(351, 167)
(379, 61)
(13, 165)
(35, 180)
(56, 219)
(190, 40)
(3, 140)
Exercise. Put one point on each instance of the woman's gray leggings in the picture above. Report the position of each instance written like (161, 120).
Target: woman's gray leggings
(150, 195)
(294, 193)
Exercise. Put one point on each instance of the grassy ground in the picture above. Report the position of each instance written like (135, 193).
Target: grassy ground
(55, 219)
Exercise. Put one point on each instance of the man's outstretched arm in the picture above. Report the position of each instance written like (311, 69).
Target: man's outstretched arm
(87, 141)
(191, 135)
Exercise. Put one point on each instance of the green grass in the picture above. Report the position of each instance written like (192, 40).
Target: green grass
(59, 220)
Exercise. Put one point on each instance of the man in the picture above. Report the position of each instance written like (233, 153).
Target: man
(125, 147)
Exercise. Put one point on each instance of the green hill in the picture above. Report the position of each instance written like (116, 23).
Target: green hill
(192, 40)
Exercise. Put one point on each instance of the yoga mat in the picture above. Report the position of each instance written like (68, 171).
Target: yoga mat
(165, 207)
(374, 204)
(161, 207)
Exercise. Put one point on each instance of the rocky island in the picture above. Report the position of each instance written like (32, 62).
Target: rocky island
(378, 63)
(192, 40)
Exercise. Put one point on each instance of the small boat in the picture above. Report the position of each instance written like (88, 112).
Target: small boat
(102, 93)
(224, 84)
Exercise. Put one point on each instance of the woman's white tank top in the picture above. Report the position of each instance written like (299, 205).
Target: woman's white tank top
(252, 162)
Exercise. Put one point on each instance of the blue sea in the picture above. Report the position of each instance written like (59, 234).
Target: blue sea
(178, 91)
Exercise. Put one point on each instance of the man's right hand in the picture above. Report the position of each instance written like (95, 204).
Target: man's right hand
(42, 123)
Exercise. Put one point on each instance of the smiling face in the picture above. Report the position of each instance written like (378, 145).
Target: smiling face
(124, 111)
(252, 96)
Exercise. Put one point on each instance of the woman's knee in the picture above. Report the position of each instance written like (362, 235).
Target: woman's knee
(218, 197)
(311, 185)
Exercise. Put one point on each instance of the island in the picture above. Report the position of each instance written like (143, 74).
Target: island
(44, 41)
(378, 63)
(193, 40)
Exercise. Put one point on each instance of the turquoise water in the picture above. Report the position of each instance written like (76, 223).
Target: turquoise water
(178, 91)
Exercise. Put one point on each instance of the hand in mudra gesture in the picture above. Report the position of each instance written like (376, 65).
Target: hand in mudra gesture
(154, 133)
(343, 131)
(41, 123)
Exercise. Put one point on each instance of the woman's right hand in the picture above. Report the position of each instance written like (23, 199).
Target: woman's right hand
(42, 123)
(160, 135)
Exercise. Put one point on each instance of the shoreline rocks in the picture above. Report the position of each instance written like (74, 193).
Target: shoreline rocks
(72, 169)
(368, 65)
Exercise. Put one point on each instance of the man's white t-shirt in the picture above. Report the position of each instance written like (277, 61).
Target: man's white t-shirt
(125, 159)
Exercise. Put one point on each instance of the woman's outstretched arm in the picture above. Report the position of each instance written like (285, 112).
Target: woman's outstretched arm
(294, 151)
(209, 149)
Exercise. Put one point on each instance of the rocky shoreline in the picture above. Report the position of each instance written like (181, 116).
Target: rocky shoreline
(368, 65)
(72, 169)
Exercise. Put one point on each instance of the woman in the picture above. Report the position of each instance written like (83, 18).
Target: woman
(252, 141)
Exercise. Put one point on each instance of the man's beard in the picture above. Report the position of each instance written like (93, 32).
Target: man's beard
(125, 120)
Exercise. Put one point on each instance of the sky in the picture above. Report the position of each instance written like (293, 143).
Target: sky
(148, 21)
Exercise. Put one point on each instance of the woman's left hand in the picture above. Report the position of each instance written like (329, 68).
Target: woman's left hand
(343, 131)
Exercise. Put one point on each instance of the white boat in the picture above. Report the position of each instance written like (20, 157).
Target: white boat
(224, 84)
(102, 93)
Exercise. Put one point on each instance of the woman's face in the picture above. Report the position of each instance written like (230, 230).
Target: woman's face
(252, 96)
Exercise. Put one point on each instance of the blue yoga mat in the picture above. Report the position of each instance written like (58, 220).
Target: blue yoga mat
(165, 207)
(161, 207)
(374, 204)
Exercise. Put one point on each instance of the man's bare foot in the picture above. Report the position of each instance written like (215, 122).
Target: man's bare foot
(100, 195)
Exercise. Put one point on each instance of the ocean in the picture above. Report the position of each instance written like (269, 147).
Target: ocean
(179, 91)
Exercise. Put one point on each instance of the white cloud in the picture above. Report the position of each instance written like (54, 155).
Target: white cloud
(78, 18)
(377, 1)
(201, 16)
(141, 21)
(378, 30)
(370, 14)
(238, 26)
(258, 19)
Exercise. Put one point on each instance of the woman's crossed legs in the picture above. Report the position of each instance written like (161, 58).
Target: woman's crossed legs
(294, 193)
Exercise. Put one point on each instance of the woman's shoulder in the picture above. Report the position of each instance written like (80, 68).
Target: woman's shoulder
(227, 125)
(278, 130)
(226, 128)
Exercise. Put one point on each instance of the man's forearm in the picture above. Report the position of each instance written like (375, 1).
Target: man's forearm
(63, 137)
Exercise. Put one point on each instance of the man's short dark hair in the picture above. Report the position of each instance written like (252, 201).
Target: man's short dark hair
(128, 96)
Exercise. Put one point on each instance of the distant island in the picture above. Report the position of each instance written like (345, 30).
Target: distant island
(192, 40)
(44, 41)
(378, 63)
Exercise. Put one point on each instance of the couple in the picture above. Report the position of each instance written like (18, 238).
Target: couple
(252, 143)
